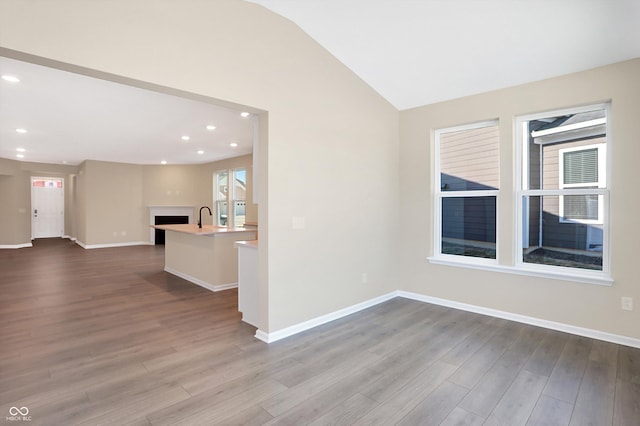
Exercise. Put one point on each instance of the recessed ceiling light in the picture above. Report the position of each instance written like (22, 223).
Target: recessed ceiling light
(20, 149)
(163, 162)
(185, 138)
(245, 114)
(21, 130)
(211, 127)
(10, 78)
(200, 152)
(233, 144)
(20, 155)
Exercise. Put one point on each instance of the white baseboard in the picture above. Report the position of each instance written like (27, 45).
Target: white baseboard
(98, 246)
(199, 282)
(580, 331)
(69, 237)
(15, 246)
(323, 319)
(571, 329)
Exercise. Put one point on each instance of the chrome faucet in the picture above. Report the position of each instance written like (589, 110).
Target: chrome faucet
(200, 215)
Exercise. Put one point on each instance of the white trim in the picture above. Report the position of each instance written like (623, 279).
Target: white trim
(99, 246)
(199, 282)
(15, 246)
(69, 237)
(524, 319)
(521, 153)
(323, 319)
(574, 126)
(439, 194)
(531, 270)
(566, 328)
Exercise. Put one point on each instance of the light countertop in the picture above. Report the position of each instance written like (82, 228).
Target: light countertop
(193, 229)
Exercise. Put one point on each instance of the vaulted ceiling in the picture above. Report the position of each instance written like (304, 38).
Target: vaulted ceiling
(418, 52)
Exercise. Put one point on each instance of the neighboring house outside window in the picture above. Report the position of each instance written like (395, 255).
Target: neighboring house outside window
(234, 196)
(467, 179)
(564, 190)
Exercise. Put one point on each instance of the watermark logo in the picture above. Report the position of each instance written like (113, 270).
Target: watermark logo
(18, 414)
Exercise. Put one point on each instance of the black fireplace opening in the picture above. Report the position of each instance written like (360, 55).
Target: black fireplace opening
(168, 220)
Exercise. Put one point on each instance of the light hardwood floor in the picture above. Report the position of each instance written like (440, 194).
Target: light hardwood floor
(106, 337)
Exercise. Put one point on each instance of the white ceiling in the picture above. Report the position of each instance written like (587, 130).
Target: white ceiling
(412, 52)
(70, 118)
(418, 52)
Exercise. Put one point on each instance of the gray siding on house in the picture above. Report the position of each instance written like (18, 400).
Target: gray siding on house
(568, 235)
(470, 159)
(469, 218)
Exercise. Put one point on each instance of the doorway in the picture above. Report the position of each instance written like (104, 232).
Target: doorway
(47, 207)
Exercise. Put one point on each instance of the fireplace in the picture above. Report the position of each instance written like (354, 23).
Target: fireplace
(167, 215)
(167, 220)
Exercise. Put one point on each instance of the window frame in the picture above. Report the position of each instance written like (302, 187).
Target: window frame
(439, 195)
(231, 196)
(521, 173)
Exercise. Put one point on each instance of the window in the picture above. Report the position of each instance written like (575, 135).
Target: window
(563, 191)
(467, 180)
(231, 195)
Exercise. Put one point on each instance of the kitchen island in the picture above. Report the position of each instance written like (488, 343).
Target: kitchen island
(204, 256)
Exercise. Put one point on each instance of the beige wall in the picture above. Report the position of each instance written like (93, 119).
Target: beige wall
(327, 129)
(578, 304)
(113, 203)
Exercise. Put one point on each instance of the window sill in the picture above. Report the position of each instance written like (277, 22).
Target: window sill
(598, 278)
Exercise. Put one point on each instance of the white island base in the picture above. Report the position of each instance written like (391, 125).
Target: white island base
(248, 281)
(204, 256)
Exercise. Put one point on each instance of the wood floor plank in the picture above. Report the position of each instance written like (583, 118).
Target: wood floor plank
(460, 417)
(474, 368)
(347, 412)
(544, 358)
(626, 410)
(436, 406)
(629, 364)
(566, 376)
(518, 402)
(325, 400)
(301, 392)
(399, 404)
(550, 412)
(484, 397)
(595, 401)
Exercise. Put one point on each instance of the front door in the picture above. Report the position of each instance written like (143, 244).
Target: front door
(47, 207)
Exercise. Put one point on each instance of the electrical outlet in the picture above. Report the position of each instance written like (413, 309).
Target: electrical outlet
(365, 278)
(627, 303)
